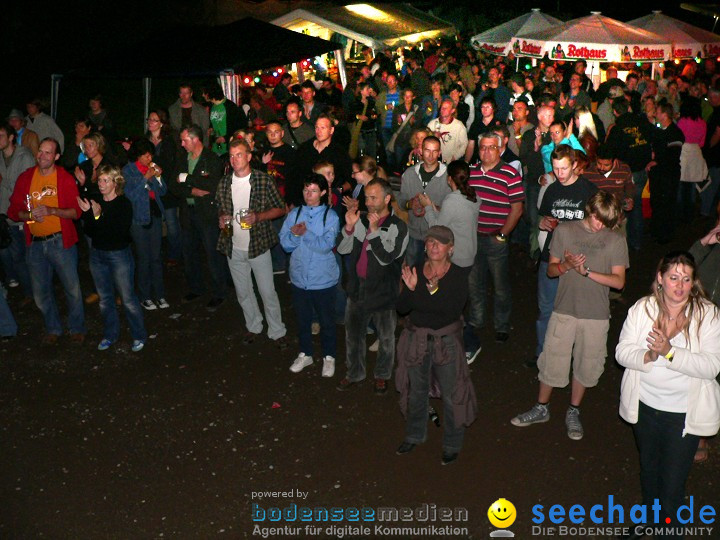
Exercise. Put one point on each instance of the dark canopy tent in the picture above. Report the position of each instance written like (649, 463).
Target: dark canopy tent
(197, 51)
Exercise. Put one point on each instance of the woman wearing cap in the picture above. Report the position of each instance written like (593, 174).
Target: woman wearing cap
(459, 213)
(670, 348)
(434, 295)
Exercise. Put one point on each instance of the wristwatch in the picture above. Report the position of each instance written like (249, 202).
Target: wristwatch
(501, 237)
(587, 272)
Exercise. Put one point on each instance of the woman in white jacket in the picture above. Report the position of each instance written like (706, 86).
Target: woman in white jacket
(670, 347)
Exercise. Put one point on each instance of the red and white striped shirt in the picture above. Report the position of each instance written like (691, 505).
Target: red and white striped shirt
(496, 189)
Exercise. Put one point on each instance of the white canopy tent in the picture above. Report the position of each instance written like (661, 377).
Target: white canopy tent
(688, 41)
(375, 25)
(498, 40)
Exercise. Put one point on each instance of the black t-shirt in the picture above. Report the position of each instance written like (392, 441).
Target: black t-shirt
(425, 176)
(565, 203)
(280, 165)
(440, 309)
(111, 232)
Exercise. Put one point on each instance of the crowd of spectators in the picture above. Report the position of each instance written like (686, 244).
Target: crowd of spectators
(422, 171)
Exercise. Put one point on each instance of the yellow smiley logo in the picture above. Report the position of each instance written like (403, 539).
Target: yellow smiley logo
(502, 513)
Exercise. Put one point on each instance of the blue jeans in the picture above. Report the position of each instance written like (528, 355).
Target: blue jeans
(148, 248)
(547, 289)
(196, 237)
(357, 319)
(707, 197)
(415, 251)
(45, 259)
(665, 459)
(114, 271)
(8, 326)
(491, 259)
(13, 260)
(635, 221)
(685, 202)
(322, 303)
(417, 412)
(174, 236)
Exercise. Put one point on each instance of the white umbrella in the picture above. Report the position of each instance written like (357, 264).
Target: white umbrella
(688, 41)
(594, 38)
(497, 40)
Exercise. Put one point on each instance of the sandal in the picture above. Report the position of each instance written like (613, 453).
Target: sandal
(701, 454)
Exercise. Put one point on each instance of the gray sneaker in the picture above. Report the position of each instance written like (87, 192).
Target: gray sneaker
(537, 415)
(573, 424)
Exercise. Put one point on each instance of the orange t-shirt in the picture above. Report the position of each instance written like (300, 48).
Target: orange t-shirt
(43, 190)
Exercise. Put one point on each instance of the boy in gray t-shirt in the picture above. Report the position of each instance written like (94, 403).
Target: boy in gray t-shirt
(589, 257)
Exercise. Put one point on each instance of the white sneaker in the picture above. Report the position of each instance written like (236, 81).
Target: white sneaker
(148, 305)
(13, 283)
(328, 369)
(375, 346)
(315, 328)
(301, 362)
(162, 303)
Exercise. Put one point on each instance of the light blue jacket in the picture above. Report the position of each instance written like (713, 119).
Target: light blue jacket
(312, 263)
(546, 150)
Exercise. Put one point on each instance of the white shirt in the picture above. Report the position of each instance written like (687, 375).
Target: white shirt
(240, 189)
(664, 389)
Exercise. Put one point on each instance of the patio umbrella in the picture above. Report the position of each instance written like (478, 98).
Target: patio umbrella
(595, 38)
(497, 40)
(688, 41)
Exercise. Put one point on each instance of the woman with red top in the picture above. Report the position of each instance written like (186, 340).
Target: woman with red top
(693, 167)
(144, 187)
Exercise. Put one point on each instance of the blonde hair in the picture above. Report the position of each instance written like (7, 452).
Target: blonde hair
(115, 175)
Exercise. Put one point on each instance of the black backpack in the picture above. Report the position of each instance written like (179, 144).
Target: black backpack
(297, 216)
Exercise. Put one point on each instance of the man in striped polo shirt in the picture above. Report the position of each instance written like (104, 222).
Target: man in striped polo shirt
(500, 190)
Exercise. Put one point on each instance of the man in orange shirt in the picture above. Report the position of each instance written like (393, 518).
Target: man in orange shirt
(45, 198)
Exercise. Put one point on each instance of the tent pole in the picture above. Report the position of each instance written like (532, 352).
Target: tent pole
(147, 83)
(652, 72)
(340, 59)
(54, 92)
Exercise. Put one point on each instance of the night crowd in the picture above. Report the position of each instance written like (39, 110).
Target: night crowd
(400, 196)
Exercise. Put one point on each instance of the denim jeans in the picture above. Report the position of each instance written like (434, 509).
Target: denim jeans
(148, 248)
(13, 260)
(45, 259)
(547, 289)
(357, 319)
(198, 236)
(340, 294)
(417, 412)
(242, 269)
(491, 259)
(665, 459)
(415, 251)
(174, 235)
(322, 303)
(8, 326)
(113, 272)
(635, 220)
(707, 197)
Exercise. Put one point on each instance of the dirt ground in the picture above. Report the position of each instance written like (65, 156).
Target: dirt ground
(180, 440)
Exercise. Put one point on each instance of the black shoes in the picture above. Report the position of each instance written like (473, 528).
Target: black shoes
(448, 458)
(190, 297)
(501, 337)
(214, 304)
(404, 448)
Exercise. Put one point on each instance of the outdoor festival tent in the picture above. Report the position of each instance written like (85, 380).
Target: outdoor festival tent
(688, 41)
(499, 39)
(375, 25)
(594, 38)
(210, 51)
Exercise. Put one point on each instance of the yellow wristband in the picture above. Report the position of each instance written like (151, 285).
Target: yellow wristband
(98, 216)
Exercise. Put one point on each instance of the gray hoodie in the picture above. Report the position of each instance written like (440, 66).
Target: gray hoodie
(459, 215)
(437, 189)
